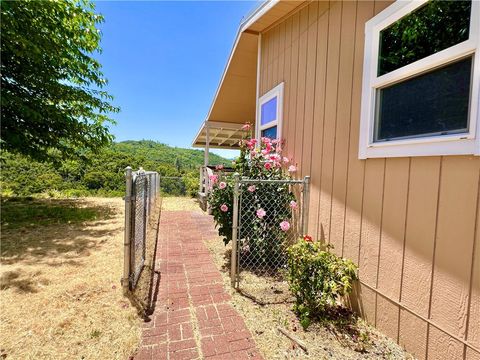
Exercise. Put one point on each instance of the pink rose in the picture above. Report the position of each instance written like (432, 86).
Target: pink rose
(293, 205)
(219, 167)
(285, 160)
(246, 127)
(252, 188)
(265, 152)
(285, 225)
(261, 213)
(275, 157)
(224, 208)
(267, 166)
(292, 169)
(222, 185)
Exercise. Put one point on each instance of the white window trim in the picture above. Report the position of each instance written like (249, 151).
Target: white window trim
(455, 144)
(277, 91)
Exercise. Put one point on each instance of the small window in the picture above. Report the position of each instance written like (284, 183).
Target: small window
(269, 113)
(419, 94)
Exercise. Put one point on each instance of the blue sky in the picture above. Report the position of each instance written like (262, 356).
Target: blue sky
(163, 61)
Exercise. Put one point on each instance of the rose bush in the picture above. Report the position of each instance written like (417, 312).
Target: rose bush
(266, 208)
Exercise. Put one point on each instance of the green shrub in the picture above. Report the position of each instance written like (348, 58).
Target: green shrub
(317, 278)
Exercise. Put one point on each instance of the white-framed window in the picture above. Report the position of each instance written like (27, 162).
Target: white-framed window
(270, 114)
(421, 80)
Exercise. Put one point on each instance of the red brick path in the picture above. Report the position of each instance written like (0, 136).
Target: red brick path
(193, 318)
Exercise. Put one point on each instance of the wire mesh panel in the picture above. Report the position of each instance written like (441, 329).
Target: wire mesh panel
(270, 219)
(142, 191)
(139, 228)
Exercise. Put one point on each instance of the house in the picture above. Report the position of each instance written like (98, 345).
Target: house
(378, 102)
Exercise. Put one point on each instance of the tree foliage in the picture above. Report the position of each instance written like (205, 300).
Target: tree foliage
(52, 100)
(103, 172)
(435, 26)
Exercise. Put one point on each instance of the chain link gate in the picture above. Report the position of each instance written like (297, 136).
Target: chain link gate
(142, 189)
(268, 216)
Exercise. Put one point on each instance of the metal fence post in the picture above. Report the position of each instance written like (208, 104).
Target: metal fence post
(233, 268)
(128, 229)
(305, 205)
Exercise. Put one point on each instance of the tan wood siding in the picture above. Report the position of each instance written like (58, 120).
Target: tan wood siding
(412, 224)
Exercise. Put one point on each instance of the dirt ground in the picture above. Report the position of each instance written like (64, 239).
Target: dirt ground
(60, 288)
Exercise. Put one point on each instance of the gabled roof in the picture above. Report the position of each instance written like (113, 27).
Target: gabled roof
(234, 100)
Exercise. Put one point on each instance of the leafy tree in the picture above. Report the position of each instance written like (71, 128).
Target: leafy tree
(51, 86)
(434, 27)
(178, 165)
(102, 173)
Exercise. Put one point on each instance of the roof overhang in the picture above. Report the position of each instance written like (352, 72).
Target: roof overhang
(220, 135)
(235, 99)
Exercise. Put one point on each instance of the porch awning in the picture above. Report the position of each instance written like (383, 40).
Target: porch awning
(221, 135)
(235, 100)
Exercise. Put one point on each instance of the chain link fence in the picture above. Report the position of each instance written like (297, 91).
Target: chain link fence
(269, 216)
(141, 215)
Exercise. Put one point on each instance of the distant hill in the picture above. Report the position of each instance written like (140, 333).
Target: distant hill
(188, 159)
(103, 173)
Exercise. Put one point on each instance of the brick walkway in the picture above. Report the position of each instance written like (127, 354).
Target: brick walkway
(193, 318)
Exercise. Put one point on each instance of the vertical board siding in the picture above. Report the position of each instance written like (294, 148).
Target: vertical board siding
(287, 86)
(355, 168)
(474, 318)
(292, 99)
(371, 220)
(412, 224)
(413, 334)
(334, 27)
(342, 129)
(397, 171)
(301, 80)
(318, 114)
(420, 233)
(306, 143)
(454, 243)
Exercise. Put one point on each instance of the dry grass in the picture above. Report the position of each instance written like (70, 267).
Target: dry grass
(60, 284)
(343, 336)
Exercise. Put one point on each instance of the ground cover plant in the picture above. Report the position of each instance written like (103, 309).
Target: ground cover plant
(60, 291)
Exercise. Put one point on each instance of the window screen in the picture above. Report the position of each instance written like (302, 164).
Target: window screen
(435, 26)
(436, 102)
